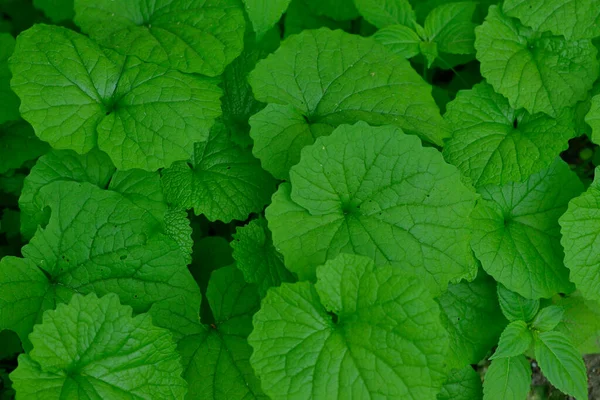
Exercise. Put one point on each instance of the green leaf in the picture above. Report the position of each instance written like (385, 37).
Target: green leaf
(383, 13)
(57, 10)
(462, 384)
(575, 19)
(280, 133)
(494, 144)
(96, 241)
(581, 323)
(450, 26)
(334, 78)
(580, 230)
(215, 357)
(429, 51)
(223, 181)
(9, 102)
(200, 37)
(94, 349)
(18, 144)
(257, 258)
(385, 338)
(142, 188)
(393, 201)
(517, 235)
(142, 115)
(593, 119)
(538, 72)
(507, 379)
(516, 307)
(514, 341)
(472, 318)
(264, 14)
(561, 363)
(548, 318)
(400, 39)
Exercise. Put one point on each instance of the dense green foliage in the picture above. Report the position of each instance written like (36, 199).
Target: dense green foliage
(298, 199)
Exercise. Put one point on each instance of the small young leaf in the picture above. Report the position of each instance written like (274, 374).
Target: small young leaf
(385, 13)
(547, 318)
(516, 307)
(200, 37)
(223, 182)
(257, 258)
(561, 363)
(538, 72)
(385, 338)
(507, 379)
(516, 232)
(514, 341)
(575, 19)
(580, 230)
(94, 349)
(346, 197)
(400, 39)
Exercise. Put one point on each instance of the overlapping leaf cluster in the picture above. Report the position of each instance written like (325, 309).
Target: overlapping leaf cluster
(227, 199)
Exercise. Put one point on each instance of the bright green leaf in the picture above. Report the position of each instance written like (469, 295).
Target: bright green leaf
(94, 349)
(257, 258)
(264, 14)
(400, 39)
(472, 318)
(383, 13)
(375, 192)
(517, 235)
(95, 241)
(9, 102)
(575, 19)
(450, 26)
(548, 318)
(192, 36)
(507, 379)
(561, 363)
(516, 307)
(494, 144)
(223, 181)
(514, 341)
(18, 144)
(580, 233)
(142, 115)
(57, 10)
(332, 77)
(385, 339)
(538, 72)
